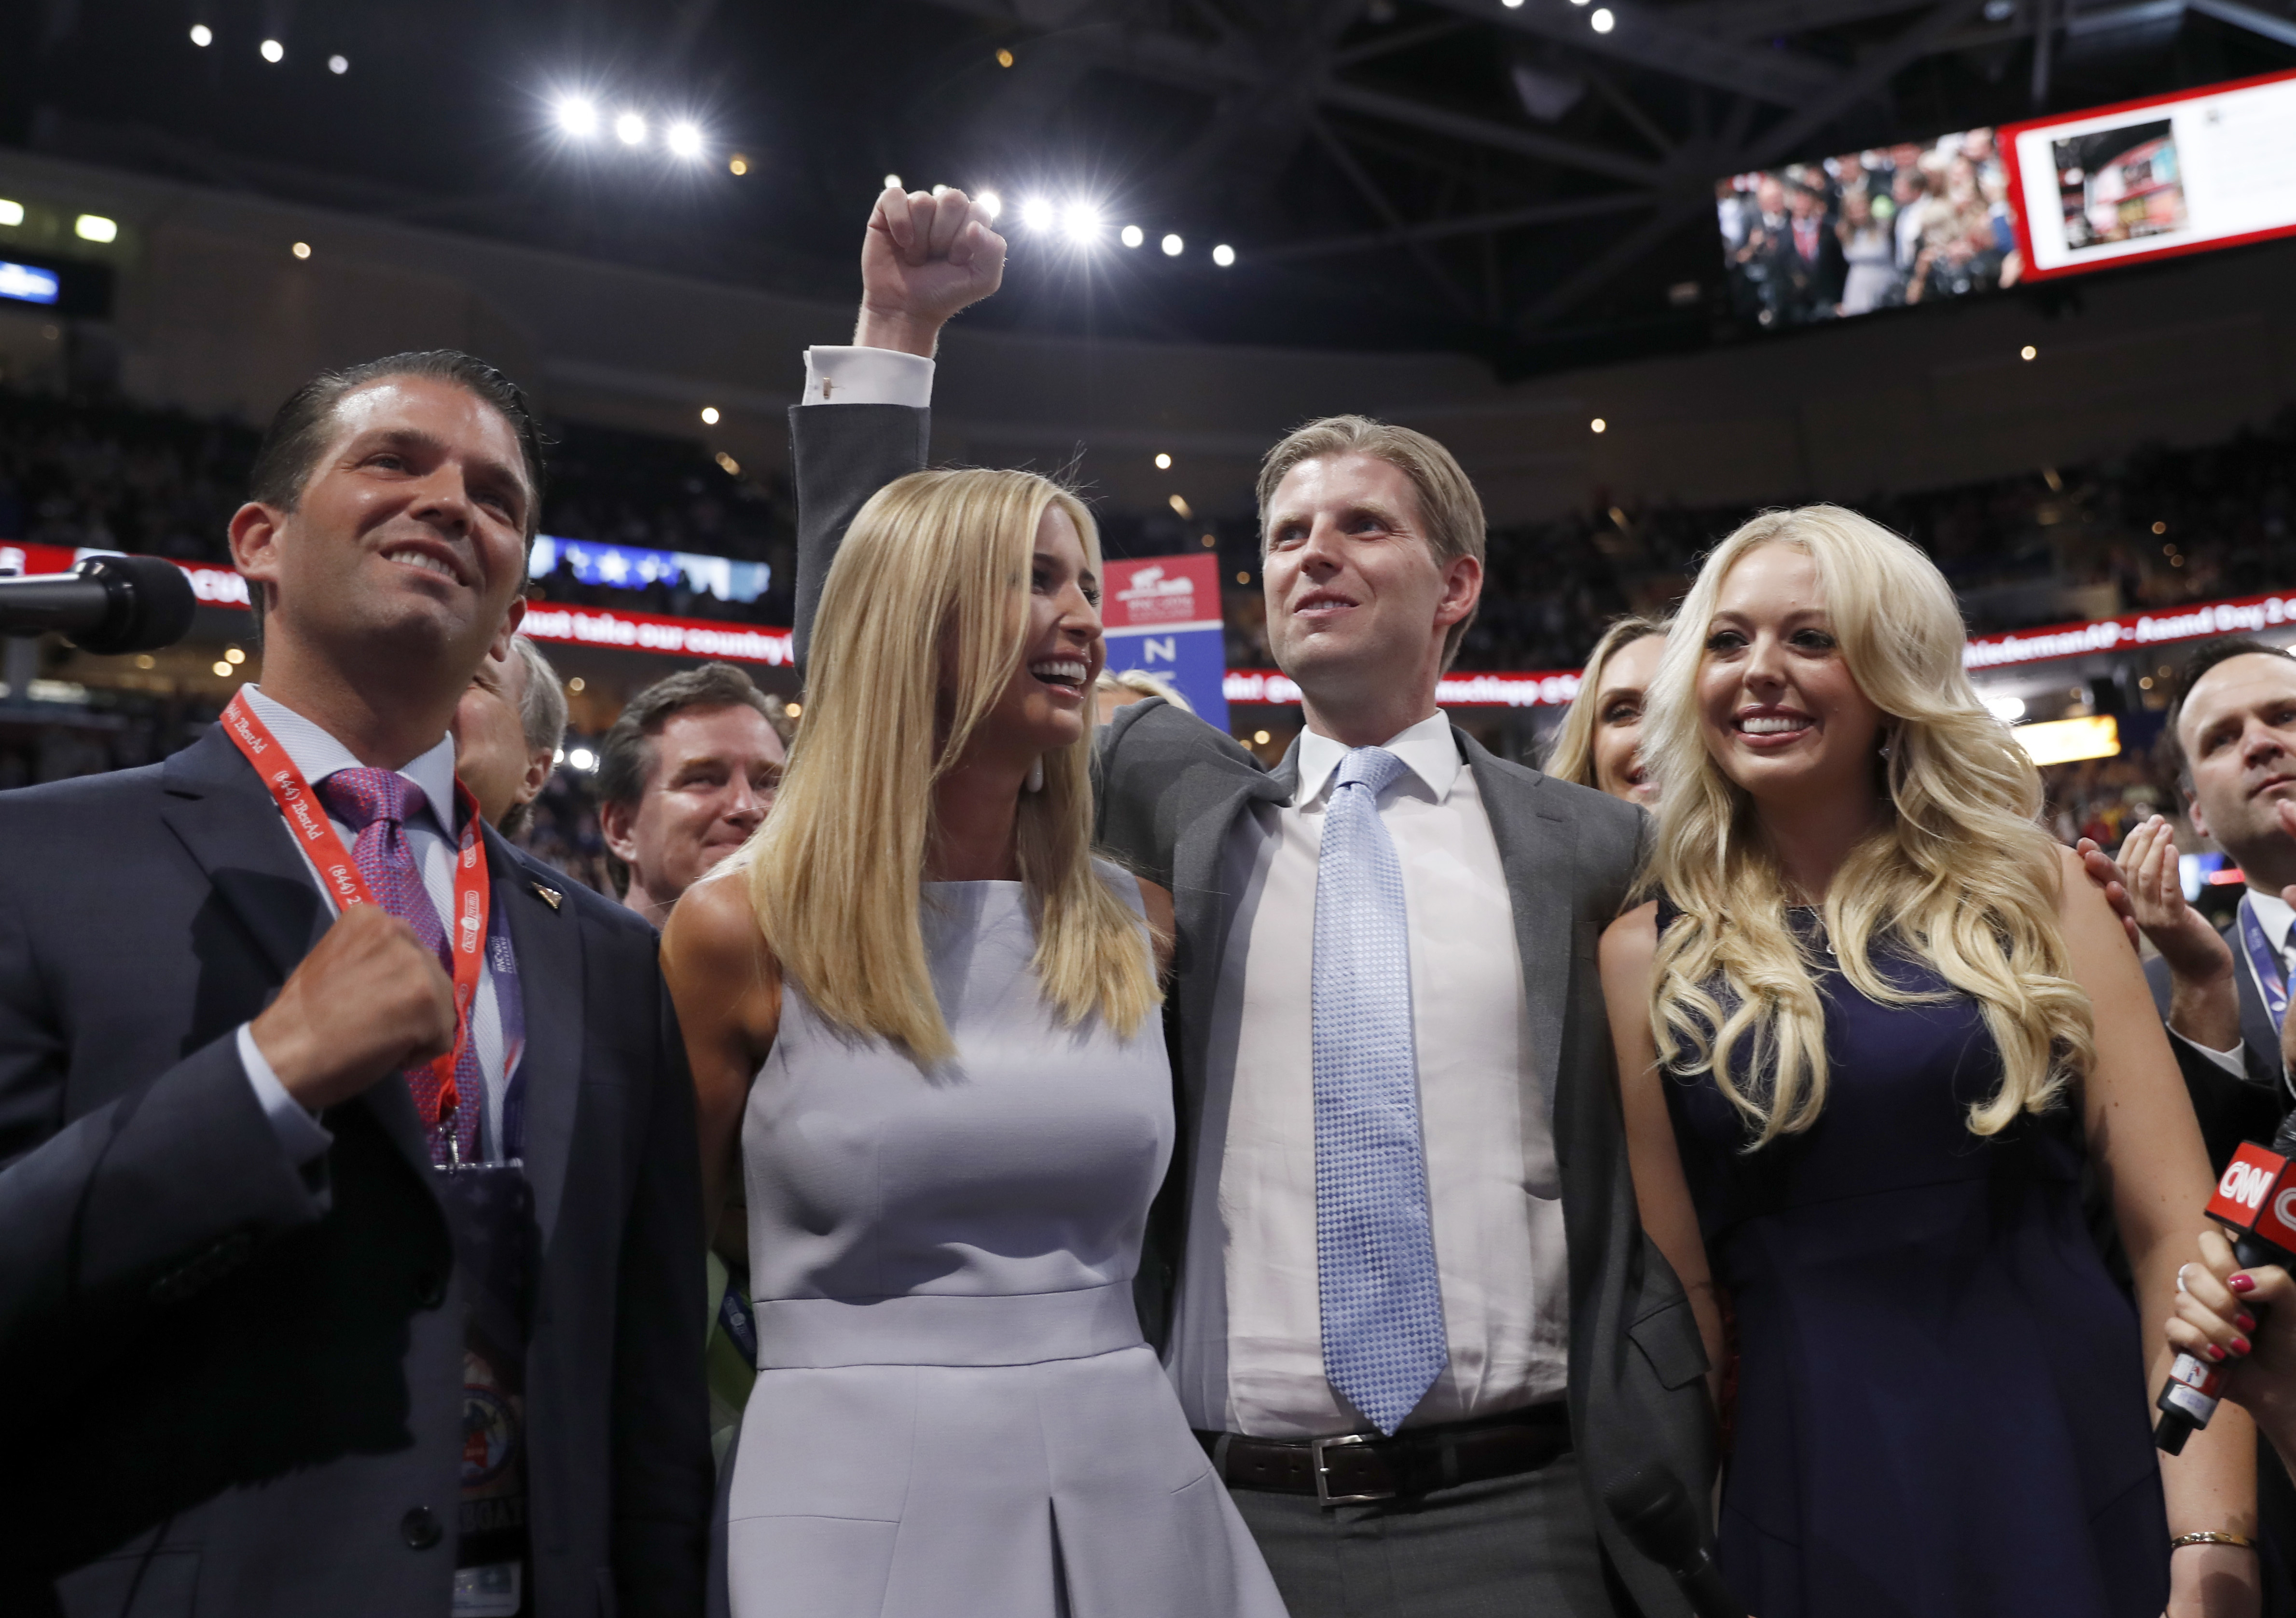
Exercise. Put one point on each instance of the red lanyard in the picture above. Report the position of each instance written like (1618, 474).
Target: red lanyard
(315, 834)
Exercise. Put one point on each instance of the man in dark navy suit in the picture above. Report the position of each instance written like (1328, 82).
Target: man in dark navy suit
(332, 1284)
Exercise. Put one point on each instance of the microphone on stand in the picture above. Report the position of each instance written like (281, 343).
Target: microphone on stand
(107, 604)
(2256, 1202)
(1657, 1515)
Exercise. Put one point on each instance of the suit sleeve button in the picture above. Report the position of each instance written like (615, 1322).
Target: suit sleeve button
(419, 1528)
(431, 1289)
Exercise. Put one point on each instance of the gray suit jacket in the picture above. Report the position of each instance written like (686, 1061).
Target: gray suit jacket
(235, 1389)
(1170, 789)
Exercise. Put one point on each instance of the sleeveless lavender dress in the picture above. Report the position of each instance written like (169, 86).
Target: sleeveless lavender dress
(954, 1414)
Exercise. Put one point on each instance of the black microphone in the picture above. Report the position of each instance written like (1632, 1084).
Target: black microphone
(107, 604)
(1659, 1518)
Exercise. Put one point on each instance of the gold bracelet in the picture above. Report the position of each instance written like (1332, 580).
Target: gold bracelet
(2211, 1536)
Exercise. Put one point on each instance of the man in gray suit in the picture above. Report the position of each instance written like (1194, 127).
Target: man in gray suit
(1398, 1278)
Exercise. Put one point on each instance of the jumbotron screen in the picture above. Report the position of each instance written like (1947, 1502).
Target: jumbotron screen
(1917, 223)
(2173, 174)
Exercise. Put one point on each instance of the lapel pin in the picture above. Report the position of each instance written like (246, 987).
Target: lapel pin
(548, 895)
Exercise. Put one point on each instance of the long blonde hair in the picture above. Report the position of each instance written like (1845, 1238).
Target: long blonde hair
(921, 627)
(1572, 755)
(1960, 872)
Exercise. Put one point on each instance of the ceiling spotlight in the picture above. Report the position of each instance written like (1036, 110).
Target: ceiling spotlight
(1179, 505)
(710, 414)
(582, 759)
(2028, 353)
(1603, 21)
(893, 183)
(729, 465)
(738, 164)
(1513, 5)
(95, 228)
(1036, 214)
(1172, 246)
(630, 129)
(990, 204)
(1223, 255)
(1163, 463)
(685, 140)
(339, 65)
(1003, 59)
(301, 249)
(1131, 236)
(222, 668)
(202, 35)
(1080, 223)
(11, 212)
(577, 117)
(272, 51)
(1598, 425)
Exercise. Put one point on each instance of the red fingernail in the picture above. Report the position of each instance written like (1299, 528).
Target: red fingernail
(2240, 1345)
(2242, 1282)
(2215, 1352)
(2244, 1320)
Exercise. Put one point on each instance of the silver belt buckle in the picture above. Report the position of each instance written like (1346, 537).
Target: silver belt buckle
(1317, 1448)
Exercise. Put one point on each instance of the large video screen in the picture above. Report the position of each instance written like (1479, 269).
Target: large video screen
(1912, 224)
(2174, 174)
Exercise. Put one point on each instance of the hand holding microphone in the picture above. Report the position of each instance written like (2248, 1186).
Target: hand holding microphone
(2256, 1201)
(2220, 1319)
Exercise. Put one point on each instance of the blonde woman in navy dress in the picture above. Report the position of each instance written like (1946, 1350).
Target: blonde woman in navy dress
(923, 1023)
(1870, 1033)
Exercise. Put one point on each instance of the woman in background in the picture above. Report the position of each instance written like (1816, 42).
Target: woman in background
(1868, 1032)
(1598, 741)
(922, 1023)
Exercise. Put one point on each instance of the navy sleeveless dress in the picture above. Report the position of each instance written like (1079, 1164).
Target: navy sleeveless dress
(1941, 1406)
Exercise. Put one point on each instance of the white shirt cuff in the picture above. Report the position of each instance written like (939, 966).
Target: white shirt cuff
(2234, 1061)
(867, 376)
(300, 1136)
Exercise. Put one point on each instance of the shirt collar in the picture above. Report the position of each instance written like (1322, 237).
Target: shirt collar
(318, 754)
(1428, 750)
(2273, 914)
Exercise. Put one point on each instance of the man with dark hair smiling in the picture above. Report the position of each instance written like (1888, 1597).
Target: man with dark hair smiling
(351, 1185)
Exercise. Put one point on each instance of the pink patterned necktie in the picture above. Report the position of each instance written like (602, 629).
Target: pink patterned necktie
(376, 805)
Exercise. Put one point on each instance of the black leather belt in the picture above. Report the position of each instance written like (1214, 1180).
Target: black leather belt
(1358, 1467)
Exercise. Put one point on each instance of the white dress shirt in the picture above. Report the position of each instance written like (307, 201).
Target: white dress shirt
(317, 755)
(867, 376)
(2273, 914)
(1247, 1351)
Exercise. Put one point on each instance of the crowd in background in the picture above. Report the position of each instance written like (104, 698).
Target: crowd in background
(1900, 225)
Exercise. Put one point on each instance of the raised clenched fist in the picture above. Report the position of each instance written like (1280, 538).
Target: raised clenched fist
(925, 257)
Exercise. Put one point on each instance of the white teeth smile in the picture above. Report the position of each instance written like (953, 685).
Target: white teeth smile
(1059, 671)
(420, 559)
(1777, 725)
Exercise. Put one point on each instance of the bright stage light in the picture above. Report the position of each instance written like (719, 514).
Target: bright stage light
(202, 35)
(95, 228)
(11, 212)
(1131, 236)
(339, 65)
(685, 140)
(1223, 254)
(1080, 223)
(1603, 21)
(1163, 463)
(1173, 246)
(740, 164)
(301, 249)
(582, 759)
(630, 129)
(990, 204)
(710, 414)
(1036, 214)
(577, 117)
(893, 183)
(272, 51)
(1598, 425)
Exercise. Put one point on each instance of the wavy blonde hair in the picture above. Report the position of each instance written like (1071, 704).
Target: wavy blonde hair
(1959, 873)
(1572, 756)
(921, 625)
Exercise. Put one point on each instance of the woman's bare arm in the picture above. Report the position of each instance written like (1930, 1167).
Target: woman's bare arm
(727, 987)
(1662, 1190)
(2147, 1146)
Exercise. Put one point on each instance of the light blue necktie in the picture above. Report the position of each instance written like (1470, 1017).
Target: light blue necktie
(1382, 1309)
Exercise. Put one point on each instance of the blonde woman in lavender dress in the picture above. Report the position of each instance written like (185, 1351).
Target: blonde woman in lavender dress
(924, 1030)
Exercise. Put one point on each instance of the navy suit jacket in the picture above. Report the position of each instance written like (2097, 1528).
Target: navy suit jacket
(234, 1387)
